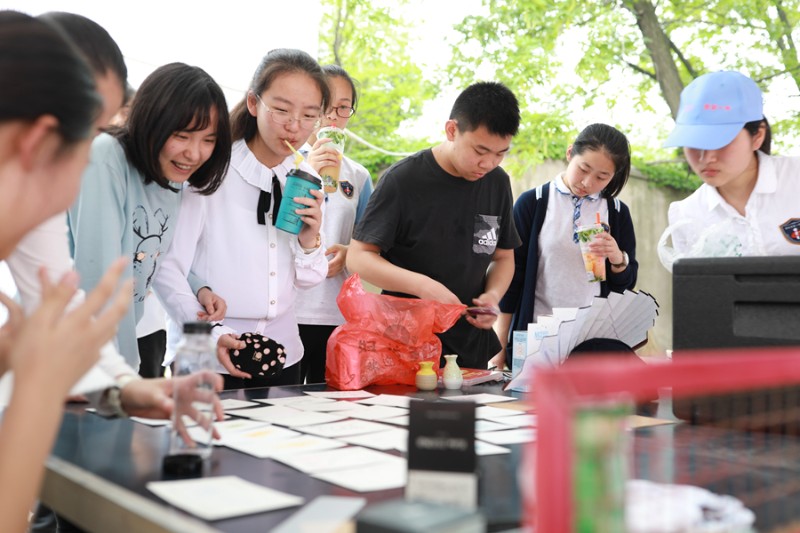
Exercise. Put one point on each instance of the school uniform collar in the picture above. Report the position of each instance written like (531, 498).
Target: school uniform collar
(253, 171)
(563, 189)
(766, 183)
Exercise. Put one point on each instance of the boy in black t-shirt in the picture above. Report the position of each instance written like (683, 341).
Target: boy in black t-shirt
(439, 225)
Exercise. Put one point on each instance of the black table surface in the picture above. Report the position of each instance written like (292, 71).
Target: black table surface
(762, 470)
(129, 455)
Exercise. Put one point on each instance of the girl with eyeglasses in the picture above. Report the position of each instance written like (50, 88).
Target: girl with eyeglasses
(317, 311)
(228, 242)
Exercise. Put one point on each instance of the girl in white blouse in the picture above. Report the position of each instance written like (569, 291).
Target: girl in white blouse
(223, 240)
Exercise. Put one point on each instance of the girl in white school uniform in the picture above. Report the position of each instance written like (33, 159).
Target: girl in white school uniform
(226, 241)
(549, 270)
(748, 202)
(317, 311)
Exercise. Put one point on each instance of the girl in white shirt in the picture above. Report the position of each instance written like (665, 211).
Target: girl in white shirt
(223, 240)
(748, 203)
(317, 311)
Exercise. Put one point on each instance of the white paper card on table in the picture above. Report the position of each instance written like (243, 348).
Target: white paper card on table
(511, 436)
(550, 322)
(489, 412)
(389, 400)
(396, 420)
(565, 314)
(484, 448)
(518, 421)
(533, 342)
(286, 416)
(232, 403)
(522, 381)
(337, 459)
(379, 476)
(376, 412)
(394, 439)
(482, 398)
(337, 394)
(329, 406)
(565, 337)
(300, 444)
(293, 401)
(228, 429)
(345, 428)
(260, 436)
(482, 425)
(324, 514)
(216, 498)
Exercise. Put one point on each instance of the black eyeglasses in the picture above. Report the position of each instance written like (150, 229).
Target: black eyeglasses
(344, 111)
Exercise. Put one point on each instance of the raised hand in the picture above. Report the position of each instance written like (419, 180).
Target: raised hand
(54, 348)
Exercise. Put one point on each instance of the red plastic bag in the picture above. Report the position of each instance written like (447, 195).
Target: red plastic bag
(384, 337)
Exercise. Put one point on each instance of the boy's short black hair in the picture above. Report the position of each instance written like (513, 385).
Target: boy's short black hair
(490, 104)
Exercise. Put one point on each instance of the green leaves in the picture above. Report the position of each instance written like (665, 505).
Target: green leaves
(565, 55)
(370, 41)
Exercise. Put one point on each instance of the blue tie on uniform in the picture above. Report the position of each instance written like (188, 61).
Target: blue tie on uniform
(576, 215)
(577, 201)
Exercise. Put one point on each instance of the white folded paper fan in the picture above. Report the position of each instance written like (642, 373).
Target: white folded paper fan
(625, 317)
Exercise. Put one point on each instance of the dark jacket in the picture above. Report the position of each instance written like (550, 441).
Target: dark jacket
(529, 212)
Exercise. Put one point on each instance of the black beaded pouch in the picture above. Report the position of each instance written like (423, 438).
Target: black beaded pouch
(261, 357)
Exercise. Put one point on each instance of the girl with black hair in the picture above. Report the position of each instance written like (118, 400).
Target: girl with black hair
(549, 269)
(229, 238)
(178, 132)
(47, 118)
(317, 312)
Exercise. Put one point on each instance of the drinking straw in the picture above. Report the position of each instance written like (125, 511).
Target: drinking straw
(298, 157)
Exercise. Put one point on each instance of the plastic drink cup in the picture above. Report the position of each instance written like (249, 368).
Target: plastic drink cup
(298, 183)
(600, 469)
(330, 175)
(595, 266)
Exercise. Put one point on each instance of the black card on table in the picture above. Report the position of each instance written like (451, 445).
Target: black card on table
(441, 453)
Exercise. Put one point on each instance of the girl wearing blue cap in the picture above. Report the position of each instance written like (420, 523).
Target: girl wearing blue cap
(747, 204)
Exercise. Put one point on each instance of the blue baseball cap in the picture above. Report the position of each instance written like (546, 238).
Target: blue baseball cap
(714, 109)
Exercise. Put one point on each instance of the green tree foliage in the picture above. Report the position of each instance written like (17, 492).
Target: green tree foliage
(657, 48)
(369, 39)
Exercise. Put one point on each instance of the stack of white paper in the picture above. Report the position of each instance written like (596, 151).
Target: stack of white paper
(625, 317)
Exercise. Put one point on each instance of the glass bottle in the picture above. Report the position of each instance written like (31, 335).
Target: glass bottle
(195, 359)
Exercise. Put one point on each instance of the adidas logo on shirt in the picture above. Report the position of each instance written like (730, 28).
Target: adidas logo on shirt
(490, 239)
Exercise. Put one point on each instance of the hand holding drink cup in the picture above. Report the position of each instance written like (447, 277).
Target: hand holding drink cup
(300, 212)
(598, 246)
(330, 170)
(590, 239)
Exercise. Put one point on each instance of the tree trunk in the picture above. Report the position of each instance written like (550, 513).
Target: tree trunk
(658, 46)
(783, 37)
